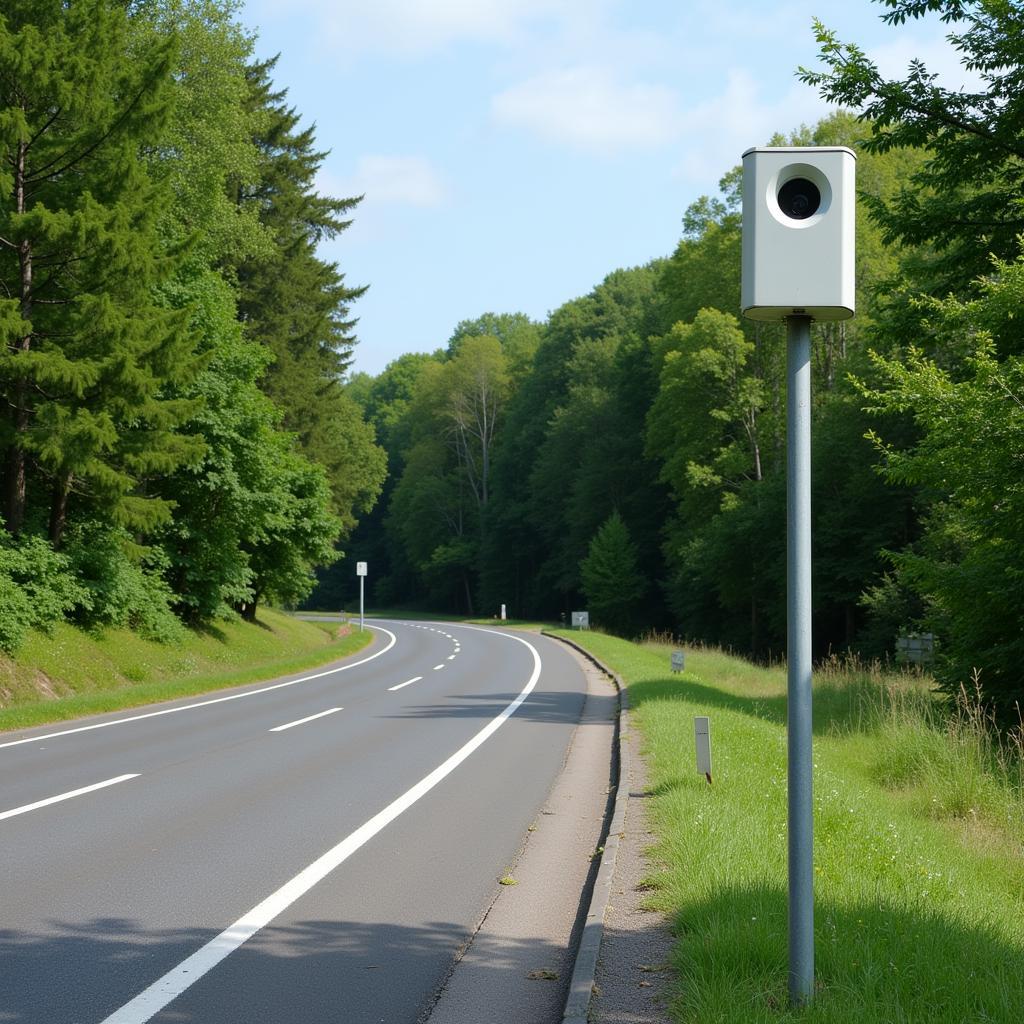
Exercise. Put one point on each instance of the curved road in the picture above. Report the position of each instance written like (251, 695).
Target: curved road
(314, 849)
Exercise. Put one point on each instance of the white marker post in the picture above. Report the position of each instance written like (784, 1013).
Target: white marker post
(799, 207)
(361, 573)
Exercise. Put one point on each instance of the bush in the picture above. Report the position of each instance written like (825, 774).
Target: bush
(37, 588)
(123, 584)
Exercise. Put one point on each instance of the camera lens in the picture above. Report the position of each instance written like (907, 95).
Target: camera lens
(799, 198)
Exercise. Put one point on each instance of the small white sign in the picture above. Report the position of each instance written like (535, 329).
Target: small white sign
(360, 568)
(702, 734)
(581, 620)
(678, 661)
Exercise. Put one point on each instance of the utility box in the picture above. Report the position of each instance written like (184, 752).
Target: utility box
(799, 213)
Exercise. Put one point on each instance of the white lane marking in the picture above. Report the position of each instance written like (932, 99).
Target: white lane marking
(66, 796)
(451, 657)
(408, 682)
(152, 1000)
(439, 667)
(206, 703)
(303, 721)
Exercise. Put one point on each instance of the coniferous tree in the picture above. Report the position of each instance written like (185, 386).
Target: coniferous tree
(297, 304)
(611, 579)
(87, 350)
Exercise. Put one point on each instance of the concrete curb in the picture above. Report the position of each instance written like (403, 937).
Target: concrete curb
(581, 985)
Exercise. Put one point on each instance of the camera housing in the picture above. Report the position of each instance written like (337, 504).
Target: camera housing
(799, 209)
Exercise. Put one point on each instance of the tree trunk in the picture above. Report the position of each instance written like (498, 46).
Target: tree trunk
(59, 508)
(469, 593)
(14, 477)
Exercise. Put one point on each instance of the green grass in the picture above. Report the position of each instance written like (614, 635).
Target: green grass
(919, 867)
(69, 673)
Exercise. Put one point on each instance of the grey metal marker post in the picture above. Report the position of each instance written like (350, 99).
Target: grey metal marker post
(798, 645)
(799, 218)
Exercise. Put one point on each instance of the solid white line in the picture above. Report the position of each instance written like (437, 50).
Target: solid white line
(153, 999)
(408, 682)
(303, 721)
(66, 796)
(206, 703)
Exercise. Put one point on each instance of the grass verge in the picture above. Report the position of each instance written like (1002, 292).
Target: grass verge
(919, 870)
(70, 673)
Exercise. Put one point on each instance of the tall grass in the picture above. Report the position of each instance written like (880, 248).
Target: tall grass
(919, 873)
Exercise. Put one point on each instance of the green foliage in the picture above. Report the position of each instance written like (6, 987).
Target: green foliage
(967, 566)
(88, 361)
(123, 587)
(965, 200)
(37, 588)
(611, 579)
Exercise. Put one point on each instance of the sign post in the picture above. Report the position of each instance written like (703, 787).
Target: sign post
(799, 206)
(361, 573)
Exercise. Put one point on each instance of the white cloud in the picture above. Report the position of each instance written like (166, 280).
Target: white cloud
(587, 108)
(417, 26)
(717, 131)
(397, 180)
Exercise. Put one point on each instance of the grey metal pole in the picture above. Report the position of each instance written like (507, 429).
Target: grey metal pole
(798, 656)
(361, 578)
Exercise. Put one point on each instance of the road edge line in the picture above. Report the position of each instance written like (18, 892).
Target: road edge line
(581, 984)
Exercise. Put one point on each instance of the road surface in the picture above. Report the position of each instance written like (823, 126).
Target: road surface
(308, 850)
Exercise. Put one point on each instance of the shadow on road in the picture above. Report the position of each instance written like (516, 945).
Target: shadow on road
(312, 972)
(552, 707)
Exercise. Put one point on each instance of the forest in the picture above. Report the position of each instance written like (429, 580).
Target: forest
(627, 454)
(182, 437)
(176, 442)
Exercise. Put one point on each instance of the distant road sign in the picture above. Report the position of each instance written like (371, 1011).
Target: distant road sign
(581, 620)
(360, 568)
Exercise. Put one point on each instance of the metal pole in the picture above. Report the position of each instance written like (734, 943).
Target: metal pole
(798, 655)
(361, 578)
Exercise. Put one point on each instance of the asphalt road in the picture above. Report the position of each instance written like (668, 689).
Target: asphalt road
(313, 850)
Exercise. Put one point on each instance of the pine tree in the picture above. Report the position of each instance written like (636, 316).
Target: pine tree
(611, 580)
(297, 304)
(88, 350)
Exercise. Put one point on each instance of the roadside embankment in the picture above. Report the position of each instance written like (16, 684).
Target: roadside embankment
(919, 867)
(69, 672)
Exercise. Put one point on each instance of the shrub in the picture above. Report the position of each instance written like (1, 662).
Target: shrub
(123, 583)
(37, 588)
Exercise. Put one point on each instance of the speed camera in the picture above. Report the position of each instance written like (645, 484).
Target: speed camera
(799, 207)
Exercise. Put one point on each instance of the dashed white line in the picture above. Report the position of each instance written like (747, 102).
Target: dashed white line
(66, 796)
(164, 990)
(303, 721)
(408, 682)
(205, 703)
(451, 657)
(438, 667)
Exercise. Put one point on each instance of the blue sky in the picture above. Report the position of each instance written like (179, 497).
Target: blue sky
(514, 152)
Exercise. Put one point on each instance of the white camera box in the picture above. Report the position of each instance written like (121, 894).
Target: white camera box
(799, 208)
